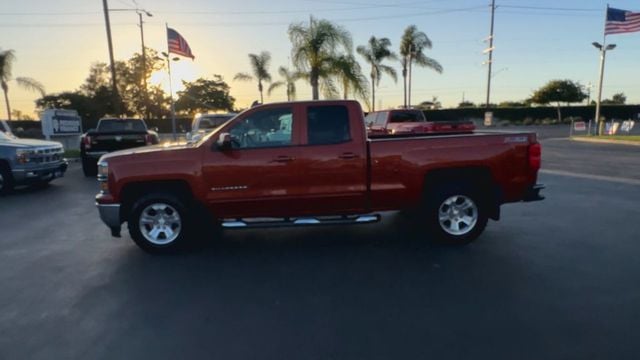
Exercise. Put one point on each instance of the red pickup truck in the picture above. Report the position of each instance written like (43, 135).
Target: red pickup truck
(412, 121)
(311, 163)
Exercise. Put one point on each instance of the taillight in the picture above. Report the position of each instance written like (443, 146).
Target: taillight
(148, 139)
(535, 156)
(87, 142)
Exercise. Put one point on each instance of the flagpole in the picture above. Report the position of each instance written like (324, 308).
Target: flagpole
(603, 53)
(173, 106)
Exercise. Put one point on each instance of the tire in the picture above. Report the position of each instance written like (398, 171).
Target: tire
(456, 214)
(160, 223)
(6, 180)
(89, 167)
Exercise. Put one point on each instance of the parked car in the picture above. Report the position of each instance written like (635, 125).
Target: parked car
(28, 161)
(412, 121)
(320, 169)
(113, 134)
(205, 123)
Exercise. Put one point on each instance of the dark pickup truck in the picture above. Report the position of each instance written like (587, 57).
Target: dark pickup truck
(110, 135)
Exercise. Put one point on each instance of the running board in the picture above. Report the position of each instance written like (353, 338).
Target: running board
(299, 221)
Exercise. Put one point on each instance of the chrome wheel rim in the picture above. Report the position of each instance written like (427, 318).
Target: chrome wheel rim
(458, 215)
(160, 223)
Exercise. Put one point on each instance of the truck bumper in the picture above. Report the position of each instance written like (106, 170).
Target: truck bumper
(533, 193)
(110, 215)
(40, 173)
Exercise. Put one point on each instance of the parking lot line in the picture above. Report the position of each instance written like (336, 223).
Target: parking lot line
(592, 177)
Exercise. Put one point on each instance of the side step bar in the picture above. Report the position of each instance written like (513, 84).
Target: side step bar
(299, 221)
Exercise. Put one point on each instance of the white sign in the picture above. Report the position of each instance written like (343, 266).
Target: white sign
(579, 126)
(488, 118)
(58, 122)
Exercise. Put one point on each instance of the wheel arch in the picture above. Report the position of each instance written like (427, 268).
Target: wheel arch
(134, 190)
(477, 177)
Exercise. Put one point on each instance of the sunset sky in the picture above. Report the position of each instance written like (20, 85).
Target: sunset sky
(56, 41)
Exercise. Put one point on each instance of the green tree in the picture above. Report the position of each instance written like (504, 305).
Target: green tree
(510, 104)
(412, 46)
(7, 57)
(204, 95)
(349, 74)
(375, 52)
(289, 79)
(559, 91)
(260, 69)
(466, 104)
(90, 108)
(315, 48)
(617, 99)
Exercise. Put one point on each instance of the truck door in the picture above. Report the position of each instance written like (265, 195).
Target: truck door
(259, 174)
(333, 163)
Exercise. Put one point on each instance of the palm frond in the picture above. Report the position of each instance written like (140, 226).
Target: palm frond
(31, 85)
(274, 86)
(243, 77)
(7, 57)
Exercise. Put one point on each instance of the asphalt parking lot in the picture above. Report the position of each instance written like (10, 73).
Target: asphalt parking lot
(556, 279)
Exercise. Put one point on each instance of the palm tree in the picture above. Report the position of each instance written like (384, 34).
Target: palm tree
(289, 81)
(315, 47)
(7, 57)
(260, 68)
(412, 45)
(375, 53)
(349, 73)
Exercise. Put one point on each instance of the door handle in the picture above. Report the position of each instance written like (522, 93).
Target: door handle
(347, 156)
(282, 159)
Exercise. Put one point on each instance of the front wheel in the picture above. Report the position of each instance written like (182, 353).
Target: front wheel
(457, 214)
(89, 167)
(158, 223)
(6, 180)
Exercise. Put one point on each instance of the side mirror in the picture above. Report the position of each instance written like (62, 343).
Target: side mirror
(155, 128)
(224, 141)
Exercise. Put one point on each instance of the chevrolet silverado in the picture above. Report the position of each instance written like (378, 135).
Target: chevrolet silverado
(311, 163)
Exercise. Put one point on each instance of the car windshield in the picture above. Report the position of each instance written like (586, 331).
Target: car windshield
(212, 122)
(4, 136)
(121, 125)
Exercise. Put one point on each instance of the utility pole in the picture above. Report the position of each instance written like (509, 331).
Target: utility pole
(114, 83)
(490, 51)
(144, 67)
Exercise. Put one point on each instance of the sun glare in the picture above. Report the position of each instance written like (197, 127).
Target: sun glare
(182, 70)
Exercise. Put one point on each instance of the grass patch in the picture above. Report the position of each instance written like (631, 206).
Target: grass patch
(634, 138)
(72, 153)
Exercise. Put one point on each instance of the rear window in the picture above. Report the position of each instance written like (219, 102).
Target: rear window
(381, 118)
(121, 125)
(406, 116)
(328, 125)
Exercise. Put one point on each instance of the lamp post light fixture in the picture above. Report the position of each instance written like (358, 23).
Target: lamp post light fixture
(603, 53)
(140, 12)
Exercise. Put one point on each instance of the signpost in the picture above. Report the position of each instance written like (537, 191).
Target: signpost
(488, 118)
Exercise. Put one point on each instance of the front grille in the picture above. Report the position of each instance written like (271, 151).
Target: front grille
(46, 155)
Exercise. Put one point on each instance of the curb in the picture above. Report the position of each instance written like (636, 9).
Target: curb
(606, 141)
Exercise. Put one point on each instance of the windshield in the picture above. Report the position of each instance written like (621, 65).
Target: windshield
(212, 122)
(121, 125)
(4, 136)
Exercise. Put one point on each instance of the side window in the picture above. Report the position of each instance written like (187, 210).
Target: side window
(328, 125)
(265, 128)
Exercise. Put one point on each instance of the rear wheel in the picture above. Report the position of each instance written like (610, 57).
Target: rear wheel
(159, 223)
(89, 167)
(456, 214)
(6, 180)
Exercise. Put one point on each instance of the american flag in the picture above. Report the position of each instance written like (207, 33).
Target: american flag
(621, 21)
(177, 44)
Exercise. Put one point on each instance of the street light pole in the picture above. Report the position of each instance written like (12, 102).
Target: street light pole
(114, 84)
(173, 104)
(603, 54)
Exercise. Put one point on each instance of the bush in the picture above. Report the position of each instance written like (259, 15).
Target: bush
(528, 121)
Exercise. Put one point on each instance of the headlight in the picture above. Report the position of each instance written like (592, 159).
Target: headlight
(22, 155)
(103, 171)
